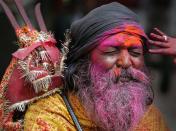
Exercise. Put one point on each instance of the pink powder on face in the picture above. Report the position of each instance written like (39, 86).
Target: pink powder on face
(117, 71)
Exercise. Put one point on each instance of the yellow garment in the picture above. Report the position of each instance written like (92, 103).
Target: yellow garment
(50, 114)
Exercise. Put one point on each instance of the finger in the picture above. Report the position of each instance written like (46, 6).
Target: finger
(161, 51)
(157, 37)
(159, 31)
(174, 60)
(158, 44)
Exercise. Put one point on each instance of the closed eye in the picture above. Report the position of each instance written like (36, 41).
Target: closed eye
(110, 51)
(135, 52)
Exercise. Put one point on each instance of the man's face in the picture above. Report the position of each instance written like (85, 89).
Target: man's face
(114, 85)
(119, 51)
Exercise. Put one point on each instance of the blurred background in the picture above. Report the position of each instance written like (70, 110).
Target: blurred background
(59, 14)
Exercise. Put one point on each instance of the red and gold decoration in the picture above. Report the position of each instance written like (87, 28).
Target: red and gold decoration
(35, 70)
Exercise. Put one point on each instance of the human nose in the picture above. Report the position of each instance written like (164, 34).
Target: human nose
(124, 60)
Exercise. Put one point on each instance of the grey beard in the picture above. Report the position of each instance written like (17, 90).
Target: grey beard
(110, 105)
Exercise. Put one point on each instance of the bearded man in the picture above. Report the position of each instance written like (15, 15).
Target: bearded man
(106, 81)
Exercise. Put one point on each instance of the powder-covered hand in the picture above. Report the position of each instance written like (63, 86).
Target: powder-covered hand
(166, 45)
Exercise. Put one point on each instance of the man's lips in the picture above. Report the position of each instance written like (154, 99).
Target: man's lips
(122, 79)
(125, 79)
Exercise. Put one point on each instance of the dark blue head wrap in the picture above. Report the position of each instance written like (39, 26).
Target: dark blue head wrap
(86, 31)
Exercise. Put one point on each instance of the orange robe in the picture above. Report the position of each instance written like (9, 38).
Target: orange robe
(50, 114)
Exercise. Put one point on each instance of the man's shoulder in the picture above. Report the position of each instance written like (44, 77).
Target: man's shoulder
(48, 113)
(152, 120)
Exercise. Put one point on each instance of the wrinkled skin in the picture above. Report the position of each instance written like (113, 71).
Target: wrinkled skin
(165, 46)
(119, 51)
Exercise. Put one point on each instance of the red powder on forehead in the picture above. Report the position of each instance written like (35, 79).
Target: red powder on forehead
(133, 41)
(123, 39)
(133, 29)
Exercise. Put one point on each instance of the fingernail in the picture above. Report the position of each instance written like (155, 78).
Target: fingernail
(150, 50)
(150, 41)
(152, 34)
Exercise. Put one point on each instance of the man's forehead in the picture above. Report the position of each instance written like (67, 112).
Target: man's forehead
(122, 39)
